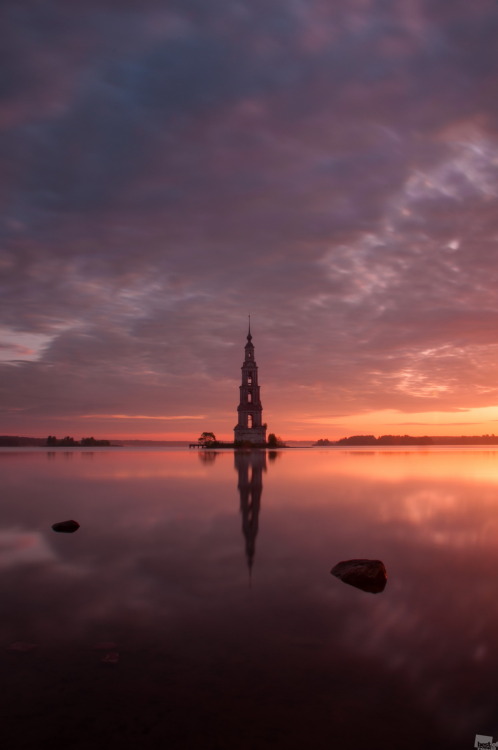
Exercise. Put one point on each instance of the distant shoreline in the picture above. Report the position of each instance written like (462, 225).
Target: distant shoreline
(407, 440)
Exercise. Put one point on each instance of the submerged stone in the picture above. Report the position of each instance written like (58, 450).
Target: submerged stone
(66, 527)
(367, 575)
(111, 658)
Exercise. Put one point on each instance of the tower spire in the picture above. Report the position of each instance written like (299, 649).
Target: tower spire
(249, 329)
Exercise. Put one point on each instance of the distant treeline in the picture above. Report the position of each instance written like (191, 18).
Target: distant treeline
(69, 441)
(16, 441)
(410, 440)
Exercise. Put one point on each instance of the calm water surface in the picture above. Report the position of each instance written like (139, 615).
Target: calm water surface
(207, 576)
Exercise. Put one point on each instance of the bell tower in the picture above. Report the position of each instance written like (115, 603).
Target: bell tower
(250, 428)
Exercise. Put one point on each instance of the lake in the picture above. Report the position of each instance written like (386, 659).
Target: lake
(194, 607)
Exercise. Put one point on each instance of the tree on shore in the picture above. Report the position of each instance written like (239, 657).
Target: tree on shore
(274, 441)
(207, 439)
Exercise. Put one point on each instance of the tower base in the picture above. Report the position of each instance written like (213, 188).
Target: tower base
(253, 435)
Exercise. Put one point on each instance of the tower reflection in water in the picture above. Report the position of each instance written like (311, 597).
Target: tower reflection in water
(250, 466)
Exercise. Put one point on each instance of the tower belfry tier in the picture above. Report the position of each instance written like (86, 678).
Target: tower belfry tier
(250, 428)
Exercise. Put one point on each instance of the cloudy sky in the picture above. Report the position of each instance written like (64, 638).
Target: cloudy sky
(167, 168)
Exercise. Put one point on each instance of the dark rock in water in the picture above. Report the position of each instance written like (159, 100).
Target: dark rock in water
(367, 575)
(66, 527)
(110, 658)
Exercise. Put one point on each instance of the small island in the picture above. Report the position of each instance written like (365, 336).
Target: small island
(207, 440)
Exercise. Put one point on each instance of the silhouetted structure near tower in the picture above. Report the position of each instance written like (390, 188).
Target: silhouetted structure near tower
(250, 428)
(250, 467)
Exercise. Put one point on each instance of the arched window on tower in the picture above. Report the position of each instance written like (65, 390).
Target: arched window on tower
(249, 420)
(249, 378)
(249, 398)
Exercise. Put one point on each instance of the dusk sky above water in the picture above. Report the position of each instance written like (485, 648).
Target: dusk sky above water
(168, 168)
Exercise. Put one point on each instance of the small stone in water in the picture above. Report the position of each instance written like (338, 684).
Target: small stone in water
(66, 527)
(367, 575)
(111, 658)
